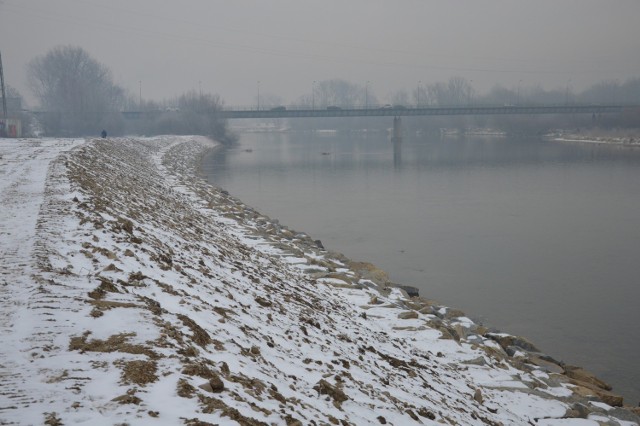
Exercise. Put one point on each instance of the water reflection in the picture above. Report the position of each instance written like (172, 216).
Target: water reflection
(397, 153)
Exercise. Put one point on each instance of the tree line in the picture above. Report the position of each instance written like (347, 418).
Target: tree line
(79, 97)
(458, 91)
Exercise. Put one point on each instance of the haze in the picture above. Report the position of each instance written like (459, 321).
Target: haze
(226, 47)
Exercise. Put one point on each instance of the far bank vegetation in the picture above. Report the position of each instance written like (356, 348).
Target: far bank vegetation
(78, 97)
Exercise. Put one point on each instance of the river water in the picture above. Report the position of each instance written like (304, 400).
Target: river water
(536, 238)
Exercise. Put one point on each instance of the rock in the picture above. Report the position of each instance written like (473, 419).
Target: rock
(546, 365)
(474, 339)
(583, 375)
(453, 334)
(610, 398)
(375, 301)
(125, 399)
(454, 313)
(590, 390)
(126, 225)
(428, 310)
(513, 350)
(369, 272)
(506, 340)
(478, 396)
(481, 330)
(461, 331)
(413, 415)
(577, 411)
(415, 306)
(631, 414)
(408, 315)
(446, 335)
(435, 322)
(410, 290)
(426, 413)
(216, 383)
(476, 361)
(263, 302)
(325, 388)
(292, 421)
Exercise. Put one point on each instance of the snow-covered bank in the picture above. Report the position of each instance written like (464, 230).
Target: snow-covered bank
(616, 137)
(139, 294)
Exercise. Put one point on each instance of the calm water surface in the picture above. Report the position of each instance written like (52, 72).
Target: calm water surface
(539, 239)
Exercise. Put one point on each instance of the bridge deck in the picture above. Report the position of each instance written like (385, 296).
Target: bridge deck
(281, 112)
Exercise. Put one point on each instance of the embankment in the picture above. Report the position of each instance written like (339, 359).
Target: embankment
(156, 298)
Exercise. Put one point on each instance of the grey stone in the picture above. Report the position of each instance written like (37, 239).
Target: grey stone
(476, 361)
(478, 396)
(408, 315)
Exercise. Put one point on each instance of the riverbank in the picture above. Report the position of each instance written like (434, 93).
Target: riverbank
(139, 293)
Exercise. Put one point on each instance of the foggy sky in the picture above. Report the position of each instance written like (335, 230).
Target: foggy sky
(227, 46)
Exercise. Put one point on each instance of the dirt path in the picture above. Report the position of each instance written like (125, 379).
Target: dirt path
(24, 166)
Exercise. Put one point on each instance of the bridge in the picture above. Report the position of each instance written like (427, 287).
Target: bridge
(390, 111)
(398, 111)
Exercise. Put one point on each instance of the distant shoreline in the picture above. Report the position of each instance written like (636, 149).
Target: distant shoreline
(629, 137)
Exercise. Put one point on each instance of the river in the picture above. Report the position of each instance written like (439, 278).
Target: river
(533, 237)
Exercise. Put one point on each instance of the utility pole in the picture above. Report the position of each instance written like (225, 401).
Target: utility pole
(4, 93)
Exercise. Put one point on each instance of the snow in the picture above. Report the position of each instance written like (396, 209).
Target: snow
(570, 422)
(128, 283)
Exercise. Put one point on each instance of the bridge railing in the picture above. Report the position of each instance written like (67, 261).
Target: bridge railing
(377, 110)
(416, 107)
(398, 110)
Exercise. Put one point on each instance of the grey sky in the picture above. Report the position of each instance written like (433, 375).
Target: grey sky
(230, 45)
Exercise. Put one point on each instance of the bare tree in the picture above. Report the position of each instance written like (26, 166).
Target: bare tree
(608, 92)
(15, 101)
(342, 93)
(75, 90)
(421, 96)
(336, 93)
(457, 91)
(399, 98)
(193, 114)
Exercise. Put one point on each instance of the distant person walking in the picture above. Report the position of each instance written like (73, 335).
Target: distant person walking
(103, 134)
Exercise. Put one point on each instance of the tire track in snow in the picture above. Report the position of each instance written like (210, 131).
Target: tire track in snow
(24, 167)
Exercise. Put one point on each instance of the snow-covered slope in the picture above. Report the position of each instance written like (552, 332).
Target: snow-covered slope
(134, 293)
